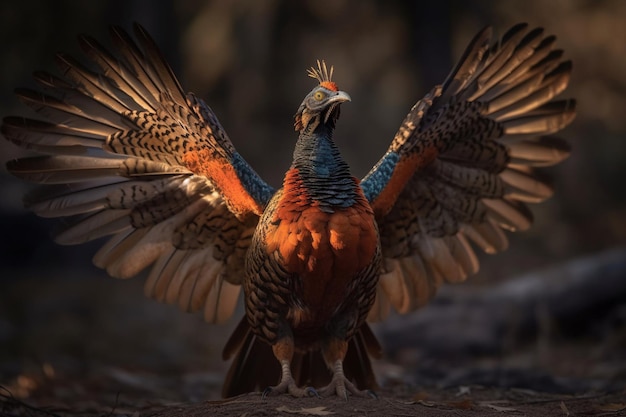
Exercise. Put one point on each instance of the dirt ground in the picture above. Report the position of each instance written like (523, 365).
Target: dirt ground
(471, 401)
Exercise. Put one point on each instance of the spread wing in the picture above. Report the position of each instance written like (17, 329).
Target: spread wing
(130, 156)
(461, 167)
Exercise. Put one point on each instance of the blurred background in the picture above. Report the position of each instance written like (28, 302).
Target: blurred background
(63, 320)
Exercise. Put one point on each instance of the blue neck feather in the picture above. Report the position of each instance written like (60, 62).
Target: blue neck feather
(324, 173)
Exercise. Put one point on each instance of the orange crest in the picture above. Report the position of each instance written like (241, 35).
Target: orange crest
(329, 85)
(323, 75)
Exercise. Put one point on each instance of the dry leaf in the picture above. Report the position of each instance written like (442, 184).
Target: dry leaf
(499, 408)
(564, 408)
(425, 403)
(315, 411)
(420, 396)
(615, 407)
(466, 404)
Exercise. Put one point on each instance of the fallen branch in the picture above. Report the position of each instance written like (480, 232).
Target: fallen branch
(464, 320)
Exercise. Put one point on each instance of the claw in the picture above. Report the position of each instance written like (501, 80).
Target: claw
(372, 394)
(287, 386)
(311, 392)
(284, 349)
(267, 391)
(340, 386)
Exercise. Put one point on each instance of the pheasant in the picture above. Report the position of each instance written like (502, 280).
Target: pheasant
(129, 155)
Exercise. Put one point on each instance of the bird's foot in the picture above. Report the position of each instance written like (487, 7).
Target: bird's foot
(340, 386)
(288, 386)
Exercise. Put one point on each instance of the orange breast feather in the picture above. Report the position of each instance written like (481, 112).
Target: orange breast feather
(326, 250)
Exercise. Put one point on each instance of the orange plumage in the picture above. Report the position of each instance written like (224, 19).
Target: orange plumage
(326, 250)
(224, 177)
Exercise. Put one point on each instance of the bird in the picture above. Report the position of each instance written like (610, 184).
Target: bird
(123, 153)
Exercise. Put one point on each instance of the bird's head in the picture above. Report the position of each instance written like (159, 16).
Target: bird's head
(321, 105)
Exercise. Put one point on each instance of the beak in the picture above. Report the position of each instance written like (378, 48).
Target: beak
(340, 97)
(333, 102)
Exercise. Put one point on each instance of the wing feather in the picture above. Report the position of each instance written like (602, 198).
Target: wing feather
(129, 155)
(118, 72)
(461, 167)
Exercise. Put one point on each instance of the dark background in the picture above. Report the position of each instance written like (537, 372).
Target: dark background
(248, 59)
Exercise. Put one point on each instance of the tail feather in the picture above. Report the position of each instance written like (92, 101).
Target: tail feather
(357, 365)
(254, 366)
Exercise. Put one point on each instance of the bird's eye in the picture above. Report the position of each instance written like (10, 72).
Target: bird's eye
(319, 95)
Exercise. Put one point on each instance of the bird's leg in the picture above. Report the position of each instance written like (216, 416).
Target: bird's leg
(283, 351)
(334, 353)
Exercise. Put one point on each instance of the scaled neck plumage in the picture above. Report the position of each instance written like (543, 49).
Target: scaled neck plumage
(322, 173)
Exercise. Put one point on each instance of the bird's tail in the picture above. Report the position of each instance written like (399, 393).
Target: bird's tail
(254, 366)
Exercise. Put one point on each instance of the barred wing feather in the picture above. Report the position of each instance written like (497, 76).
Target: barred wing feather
(461, 168)
(128, 155)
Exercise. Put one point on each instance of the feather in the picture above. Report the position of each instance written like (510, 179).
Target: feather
(540, 54)
(160, 274)
(30, 133)
(420, 283)
(381, 308)
(437, 253)
(500, 54)
(94, 226)
(119, 73)
(135, 60)
(472, 181)
(509, 214)
(60, 112)
(488, 236)
(207, 277)
(89, 104)
(525, 187)
(502, 61)
(65, 206)
(66, 199)
(157, 62)
(91, 83)
(61, 169)
(490, 156)
(465, 207)
(140, 250)
(545, 151)
(467, 64)
(118, 245)
(541, 123)
(394, 286)
(531, 94)
(463, 254)
(221, 301)
(191, 270)
(170, 291)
